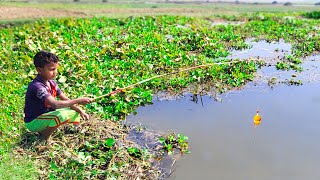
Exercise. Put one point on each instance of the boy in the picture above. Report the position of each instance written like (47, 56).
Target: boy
(43, 113)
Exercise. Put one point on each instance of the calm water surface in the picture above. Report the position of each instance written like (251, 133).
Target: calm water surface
(224, 143)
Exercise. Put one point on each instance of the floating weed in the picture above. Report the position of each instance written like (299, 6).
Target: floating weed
(293, 82)
(139, 128)
(173, 141)
(272, 82)
(282, 66)
(293, 59)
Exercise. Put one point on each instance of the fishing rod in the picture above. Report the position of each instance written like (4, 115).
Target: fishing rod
(162, 75)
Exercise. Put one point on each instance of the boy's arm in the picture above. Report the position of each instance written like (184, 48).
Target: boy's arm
(66, 103)
(63, 97)
(83, 114)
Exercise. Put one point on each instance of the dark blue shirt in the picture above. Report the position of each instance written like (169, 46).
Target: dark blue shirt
(38, 91)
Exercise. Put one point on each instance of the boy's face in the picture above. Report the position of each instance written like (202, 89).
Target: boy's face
(49, 71)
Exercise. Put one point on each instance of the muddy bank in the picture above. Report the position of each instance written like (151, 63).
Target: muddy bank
(11, 13)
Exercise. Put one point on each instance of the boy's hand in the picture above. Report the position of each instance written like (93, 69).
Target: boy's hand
(84, 100)
(84, 115)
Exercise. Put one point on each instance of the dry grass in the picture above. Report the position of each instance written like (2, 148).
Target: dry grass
(63, 146)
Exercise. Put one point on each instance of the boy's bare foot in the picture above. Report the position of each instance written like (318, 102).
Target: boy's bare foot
(44, 136)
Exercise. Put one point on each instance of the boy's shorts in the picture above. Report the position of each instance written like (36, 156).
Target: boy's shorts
(54, 119)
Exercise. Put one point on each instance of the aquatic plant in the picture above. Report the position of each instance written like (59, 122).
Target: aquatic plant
(173, 141)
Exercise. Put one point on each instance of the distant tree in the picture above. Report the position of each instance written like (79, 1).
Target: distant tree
(318, 3)
(288, 4)
(76, 0)
(237, 2)
(274, 2)
(104, 1)
(255, 3)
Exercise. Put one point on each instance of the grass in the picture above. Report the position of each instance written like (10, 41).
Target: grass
(20, 167)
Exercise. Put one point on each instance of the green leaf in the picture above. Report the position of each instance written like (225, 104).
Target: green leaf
(109, 142)
(53, 166)
(52, 177)
(134, 152)
(162, 140)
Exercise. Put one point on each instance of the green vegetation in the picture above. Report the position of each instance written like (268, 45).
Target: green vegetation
(313, 15)
(92, 155)
(95, 160)
(173, 141)
(17, 167)
(99, 55)
(290, 62)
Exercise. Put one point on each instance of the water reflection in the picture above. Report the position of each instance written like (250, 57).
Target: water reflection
(195, 98)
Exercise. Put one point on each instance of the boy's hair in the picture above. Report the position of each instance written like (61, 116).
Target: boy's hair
(43, 57)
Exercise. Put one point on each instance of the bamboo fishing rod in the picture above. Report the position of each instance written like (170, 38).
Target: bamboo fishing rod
(162, 75)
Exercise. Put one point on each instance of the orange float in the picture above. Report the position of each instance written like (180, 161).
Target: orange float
(257, 119)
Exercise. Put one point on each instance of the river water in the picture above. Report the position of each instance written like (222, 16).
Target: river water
(224, 143)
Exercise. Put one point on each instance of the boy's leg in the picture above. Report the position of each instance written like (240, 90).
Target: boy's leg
(47, 123)
(45, 134)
